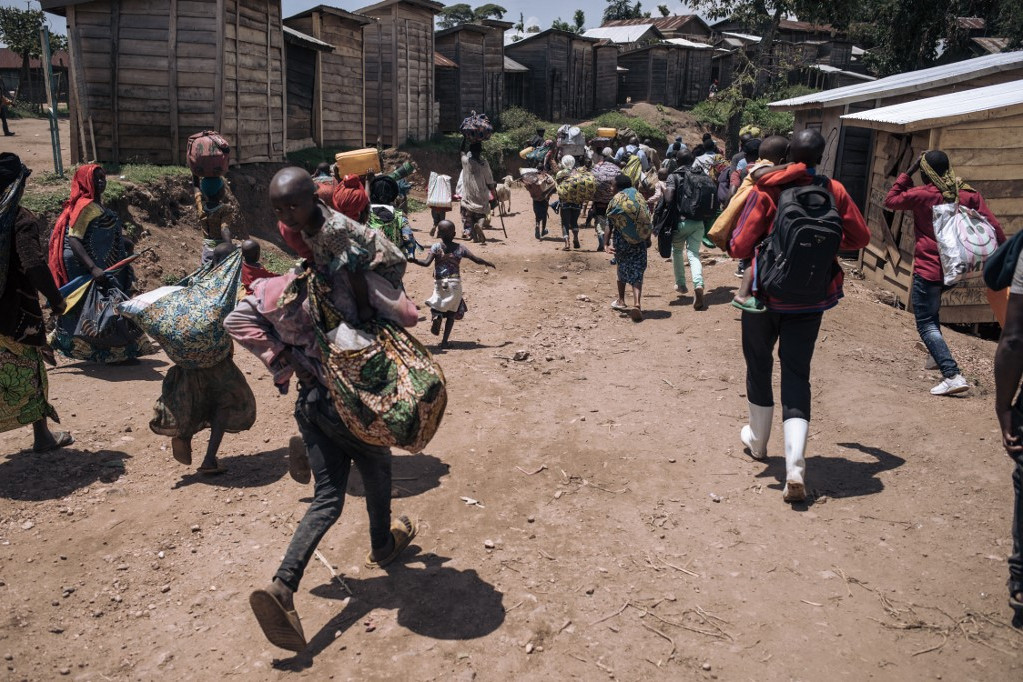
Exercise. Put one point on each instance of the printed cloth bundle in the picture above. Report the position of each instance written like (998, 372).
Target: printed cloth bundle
(538, 154)
(189, 323)
(476, 127)
(628, 213)
(605, 174)
(540, 185)
(578, 188)
(391, 393)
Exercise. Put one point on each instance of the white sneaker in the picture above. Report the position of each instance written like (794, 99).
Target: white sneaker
(951, 386)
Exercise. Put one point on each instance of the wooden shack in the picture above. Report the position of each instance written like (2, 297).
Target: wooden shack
(605, 72)
(688, 26)
(399, 50)
(147, 74)
(516, 84)
(338, 115)
(302, 79)
(962, 124)
(669, 73)
(478, 82)
(561, 71)
(848, 155)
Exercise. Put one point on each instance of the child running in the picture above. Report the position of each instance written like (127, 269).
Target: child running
(447, 303)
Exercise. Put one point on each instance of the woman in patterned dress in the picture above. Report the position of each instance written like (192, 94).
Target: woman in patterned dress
(629, 223)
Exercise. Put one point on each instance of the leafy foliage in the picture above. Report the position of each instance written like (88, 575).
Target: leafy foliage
(623, 9)
(462, 13)
(663, 9)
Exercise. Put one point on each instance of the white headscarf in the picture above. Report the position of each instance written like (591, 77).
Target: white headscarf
(568, 162)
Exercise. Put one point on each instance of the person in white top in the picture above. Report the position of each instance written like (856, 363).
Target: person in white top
(477, 185)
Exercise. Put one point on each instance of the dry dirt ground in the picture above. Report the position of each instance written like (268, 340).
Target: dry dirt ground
(585, 513)
(31, 141)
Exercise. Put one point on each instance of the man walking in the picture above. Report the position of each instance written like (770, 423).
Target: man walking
(795, 298)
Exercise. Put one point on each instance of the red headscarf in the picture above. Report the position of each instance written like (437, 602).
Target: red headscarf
(350, 198)
(83, 193)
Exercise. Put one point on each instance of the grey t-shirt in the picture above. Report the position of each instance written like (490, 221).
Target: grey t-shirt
(1017, 278)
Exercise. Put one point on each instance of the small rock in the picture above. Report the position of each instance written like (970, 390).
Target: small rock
(160, 555)
(706, 666)
(564, 277)
(672, 460)
(65, 671)
(525, 269)
(56, 629)
(8, 657)
(715, 497)
(529, 647)
(28, 525)
(530, 519)
(127, 429)
(267, 439)
(195, 528)
(489, 544)
(122, 567)
(591, 590)
(165, 589)
(521, 356)
(557, 495)
(583, 297)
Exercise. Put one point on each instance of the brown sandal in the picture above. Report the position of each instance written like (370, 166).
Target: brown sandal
(402, 530)
(282, 627)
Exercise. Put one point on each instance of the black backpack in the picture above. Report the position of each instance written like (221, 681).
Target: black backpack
(797, 262)
(698, 198)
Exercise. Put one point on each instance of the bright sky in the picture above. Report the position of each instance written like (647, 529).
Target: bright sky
(539, 12)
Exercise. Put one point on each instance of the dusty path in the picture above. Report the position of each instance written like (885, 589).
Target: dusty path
(31, 141)
(631, 536)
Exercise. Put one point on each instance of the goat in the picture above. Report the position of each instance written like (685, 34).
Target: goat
(503, 194)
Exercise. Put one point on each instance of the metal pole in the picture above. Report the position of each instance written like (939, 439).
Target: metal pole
(51, 97)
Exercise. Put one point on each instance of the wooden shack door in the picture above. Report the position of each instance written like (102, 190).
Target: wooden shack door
(852, 162)
(301, 79)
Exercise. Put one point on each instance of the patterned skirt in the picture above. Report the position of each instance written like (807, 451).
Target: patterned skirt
(192, 399)
(23, 387)
(631, 260)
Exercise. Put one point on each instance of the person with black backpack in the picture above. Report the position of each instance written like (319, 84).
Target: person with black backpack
(690, 195)
(803, 219)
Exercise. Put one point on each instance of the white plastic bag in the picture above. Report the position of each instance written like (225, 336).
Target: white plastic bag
(965, 241)
(439, 193)
(349, 338)
(136, 305)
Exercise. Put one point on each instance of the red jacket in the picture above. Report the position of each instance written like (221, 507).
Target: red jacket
(903, 196)
(250, 273)
(757, 220)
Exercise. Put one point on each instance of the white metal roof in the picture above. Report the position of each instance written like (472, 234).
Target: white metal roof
(510, 65)
(911, 81)
(827, 68)
(742, 36)
(620, 34)
(992, 101)
(688, 43)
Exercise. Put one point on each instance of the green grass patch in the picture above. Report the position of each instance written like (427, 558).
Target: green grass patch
(643, 130)
(45, 202)
(144, 173)
(276, 261)
(413, 205)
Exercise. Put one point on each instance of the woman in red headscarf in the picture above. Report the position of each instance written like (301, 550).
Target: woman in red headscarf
(88, 238)
(350, 198)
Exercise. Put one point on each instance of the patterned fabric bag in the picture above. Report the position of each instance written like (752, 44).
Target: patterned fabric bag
(392, 393)
(577, 188)
(605, 174)
(628, 213)
(538, 154)
(208, 154)
(189, 324)
(476, 127)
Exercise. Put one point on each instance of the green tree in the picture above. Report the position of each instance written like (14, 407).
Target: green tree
(560, 25)
(623, 9)
(533, 29)
(489, 11)
(19, 30)
(580, 21)
(520, 27)
(663, 9)
(456, 15)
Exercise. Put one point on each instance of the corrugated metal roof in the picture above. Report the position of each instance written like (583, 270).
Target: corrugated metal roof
(443, 62)
(827, 68)
(902, 83)
(742, 36)
(623, 34)
(992, 45)
(297, 37)
(512, 66)
(993, 101)
(672, 23)
(336, 11)
(688, 43)
(974, 23)
(9, 59)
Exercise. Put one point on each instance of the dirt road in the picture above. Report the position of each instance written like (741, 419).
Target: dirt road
(587, 512)
(31, 141)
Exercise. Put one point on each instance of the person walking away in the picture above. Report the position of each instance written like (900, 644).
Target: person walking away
(24, 275)
(628, 241)
(540, 192)
(674, 148)
(652, 158)
(794, 307)
(605, 172)
(87, 238)
(1008, 373)
(941, 185)
(537, 140)
(686, 240)
(211, 202)
(274, 324)
(447, 302)
(570, 211)
(631, 149)
(477, 183)
(252, 269)
(5, 103)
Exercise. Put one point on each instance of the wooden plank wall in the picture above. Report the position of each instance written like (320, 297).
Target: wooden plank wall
(697, 76)
(461, 91)
(341, 75)
(581, 79)
(253, 106)
(560, 49)
(380, 81)
(533, 55)
(635, 83)
(493, 66)
(301, 79)
(605, 81)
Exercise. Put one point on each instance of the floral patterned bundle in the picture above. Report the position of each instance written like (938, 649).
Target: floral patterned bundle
(392, 393)
(577, 188)
(189, 324)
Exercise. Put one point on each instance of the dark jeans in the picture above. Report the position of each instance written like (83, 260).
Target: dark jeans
(570, 219)
(796, 336)
(3, 119)
(926, 298)
(332, 449)
(540, 213)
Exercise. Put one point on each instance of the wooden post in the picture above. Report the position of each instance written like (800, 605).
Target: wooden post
(362, 65)
(269, 95)
(115, 118)
(237, 80)
(172, 81)
(218, 82)
(395, 76)
(284, 86)
(80, 110)
(318, 91)
(934, 142)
